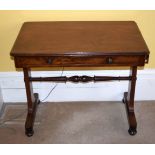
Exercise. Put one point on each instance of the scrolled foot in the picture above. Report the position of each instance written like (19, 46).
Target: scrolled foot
(132, 132)
(29, 132)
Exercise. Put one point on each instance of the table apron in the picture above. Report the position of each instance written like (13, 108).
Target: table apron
(79, 61)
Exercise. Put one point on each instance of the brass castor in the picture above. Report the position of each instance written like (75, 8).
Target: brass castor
(29, 132)
(132, 131)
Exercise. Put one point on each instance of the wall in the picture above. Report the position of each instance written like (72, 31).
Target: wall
(12, 84)
(11, 22)
(13, 87)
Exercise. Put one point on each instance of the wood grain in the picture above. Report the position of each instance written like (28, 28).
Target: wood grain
(79, 38)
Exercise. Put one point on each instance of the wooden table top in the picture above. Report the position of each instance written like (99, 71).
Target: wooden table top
(79, 37)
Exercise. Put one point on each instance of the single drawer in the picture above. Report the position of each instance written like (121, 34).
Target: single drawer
(71, 61)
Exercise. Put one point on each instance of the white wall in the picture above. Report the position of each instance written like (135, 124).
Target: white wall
(13, 88)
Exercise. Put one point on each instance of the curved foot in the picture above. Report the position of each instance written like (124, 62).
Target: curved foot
(29, 132)
(132, 132)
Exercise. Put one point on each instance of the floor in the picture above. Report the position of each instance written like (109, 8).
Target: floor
(78, 123)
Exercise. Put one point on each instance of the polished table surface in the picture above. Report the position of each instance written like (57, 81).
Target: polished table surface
(63, 38)
(84, 44)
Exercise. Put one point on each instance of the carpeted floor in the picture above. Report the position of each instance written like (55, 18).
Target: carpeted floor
(79, 122)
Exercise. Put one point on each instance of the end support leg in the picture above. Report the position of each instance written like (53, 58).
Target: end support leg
(131, 117)
(128, 99)
(31, 117)
(32, 102)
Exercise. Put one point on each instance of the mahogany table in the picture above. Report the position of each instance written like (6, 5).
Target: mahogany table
(79, 44)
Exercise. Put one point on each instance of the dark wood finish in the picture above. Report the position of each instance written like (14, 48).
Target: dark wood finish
(83, 78)
(85, 44)
(98, 43)
(79, 38)
(77, 61)
(129, 102)
(32, 102)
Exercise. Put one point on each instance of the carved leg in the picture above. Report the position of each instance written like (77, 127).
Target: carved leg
(32, 102)
(129, 102)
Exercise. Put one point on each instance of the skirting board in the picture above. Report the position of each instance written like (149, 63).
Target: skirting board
(1, 100)
(13, 88)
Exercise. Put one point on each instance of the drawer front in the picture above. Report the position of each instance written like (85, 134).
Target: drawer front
(72, 61)
(104, 61)
(37, 61)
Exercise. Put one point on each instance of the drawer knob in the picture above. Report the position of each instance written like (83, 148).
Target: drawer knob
(109, 60)
(49, 61)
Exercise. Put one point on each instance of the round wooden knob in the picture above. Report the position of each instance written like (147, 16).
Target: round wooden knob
(109, 60)
(49, 61)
